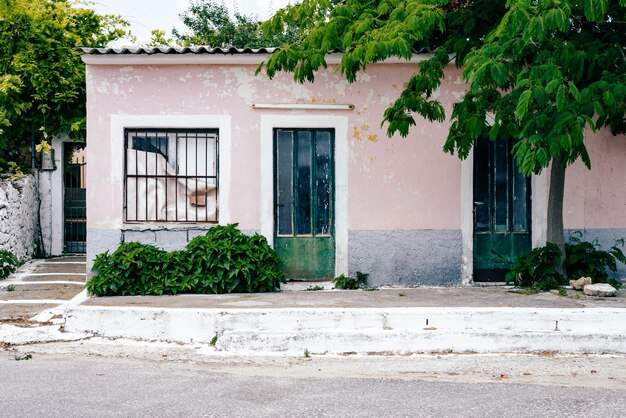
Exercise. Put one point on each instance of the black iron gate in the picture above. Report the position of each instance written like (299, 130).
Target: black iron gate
(74, 201)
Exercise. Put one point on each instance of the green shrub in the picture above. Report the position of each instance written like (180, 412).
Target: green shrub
(587, 259)
(538, 269)
(223, 261)
(349, 283)
(133, 269)
(8, 263)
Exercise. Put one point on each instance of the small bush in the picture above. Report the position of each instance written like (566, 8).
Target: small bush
(133, 269)
(349, 283)
(8, 263)
(587, 259)
(538, 269)
(223, 261)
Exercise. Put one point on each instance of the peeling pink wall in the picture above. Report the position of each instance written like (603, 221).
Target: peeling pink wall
(394, 183)
(596, 198)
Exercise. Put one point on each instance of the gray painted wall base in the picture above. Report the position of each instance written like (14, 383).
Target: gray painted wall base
(410, 258)
(413, 257)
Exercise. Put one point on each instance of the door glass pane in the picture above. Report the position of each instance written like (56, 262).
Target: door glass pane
(520, 207)
(323, 169)
(284, 174)
(303, 182)
(482, 201)
(501, 189)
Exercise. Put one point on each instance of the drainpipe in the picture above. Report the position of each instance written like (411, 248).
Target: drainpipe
(32, 151)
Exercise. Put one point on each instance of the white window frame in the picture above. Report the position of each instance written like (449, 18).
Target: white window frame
(220, 122)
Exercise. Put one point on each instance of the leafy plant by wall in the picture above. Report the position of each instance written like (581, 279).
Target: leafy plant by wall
(223, 261)
(8, 263)
(587, 259)
(350, 283)
(539, 268)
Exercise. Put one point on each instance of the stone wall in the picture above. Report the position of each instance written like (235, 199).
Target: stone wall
(18, 216)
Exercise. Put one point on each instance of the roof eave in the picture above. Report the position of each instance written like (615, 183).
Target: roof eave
(212, 58)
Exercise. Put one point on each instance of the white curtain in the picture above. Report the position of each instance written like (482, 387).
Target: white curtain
(160, 198)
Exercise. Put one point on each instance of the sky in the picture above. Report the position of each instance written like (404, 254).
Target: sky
(145, 15)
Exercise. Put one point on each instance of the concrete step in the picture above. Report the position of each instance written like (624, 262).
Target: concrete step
(364, 330)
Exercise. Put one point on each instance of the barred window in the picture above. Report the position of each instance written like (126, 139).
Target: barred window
(171, 175)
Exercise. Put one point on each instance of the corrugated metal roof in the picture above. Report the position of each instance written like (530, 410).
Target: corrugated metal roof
(175, 50)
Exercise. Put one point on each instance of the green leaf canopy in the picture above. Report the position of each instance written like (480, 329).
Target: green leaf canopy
(540, 71)
(42, 78)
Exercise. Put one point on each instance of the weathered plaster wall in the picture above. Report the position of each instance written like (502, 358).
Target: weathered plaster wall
(595, 200)
(386, 192)
(397, 187)
(407, 257)
(390, 186)
(18, 217)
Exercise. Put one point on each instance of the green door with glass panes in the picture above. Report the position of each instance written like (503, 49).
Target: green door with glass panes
(304, 199)
(501, 210)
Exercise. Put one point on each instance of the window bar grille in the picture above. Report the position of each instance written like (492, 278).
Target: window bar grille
(176, 182)
(158, 174)
(206, 164)
(186, 172)
(196, 173)
(166, 182)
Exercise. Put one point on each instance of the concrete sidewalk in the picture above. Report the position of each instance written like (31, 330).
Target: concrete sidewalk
(43, 285)
(33, 300)
(493, 296)
(394, 321)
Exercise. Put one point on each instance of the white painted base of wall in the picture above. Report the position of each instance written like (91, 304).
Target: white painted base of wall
(365, 330)
(51, 191)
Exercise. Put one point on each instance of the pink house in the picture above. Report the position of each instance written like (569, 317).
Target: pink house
(181, 139)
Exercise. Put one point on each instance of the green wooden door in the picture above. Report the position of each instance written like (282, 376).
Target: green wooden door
(304, 202)
(501, 210)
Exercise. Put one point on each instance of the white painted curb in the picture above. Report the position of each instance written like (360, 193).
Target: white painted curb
(364, 330)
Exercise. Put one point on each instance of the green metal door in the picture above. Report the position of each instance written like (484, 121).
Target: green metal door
(304, 202)
(501, 210)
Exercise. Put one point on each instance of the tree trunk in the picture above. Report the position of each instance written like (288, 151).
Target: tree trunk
(555, 232)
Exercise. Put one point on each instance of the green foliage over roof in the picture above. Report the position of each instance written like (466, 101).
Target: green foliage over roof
(541, 71)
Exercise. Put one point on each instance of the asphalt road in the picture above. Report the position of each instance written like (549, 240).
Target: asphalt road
(80, 386)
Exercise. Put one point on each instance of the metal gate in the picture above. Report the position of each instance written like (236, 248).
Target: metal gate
(74, 200)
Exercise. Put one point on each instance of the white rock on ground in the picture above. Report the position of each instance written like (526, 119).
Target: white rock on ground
(599, 289)
(580, 283)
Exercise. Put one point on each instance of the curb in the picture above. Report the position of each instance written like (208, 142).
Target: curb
(364, 330)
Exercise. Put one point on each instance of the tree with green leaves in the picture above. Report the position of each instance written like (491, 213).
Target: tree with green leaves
(210, 23)
(42, 78)
(540, 71)
(159, 38)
